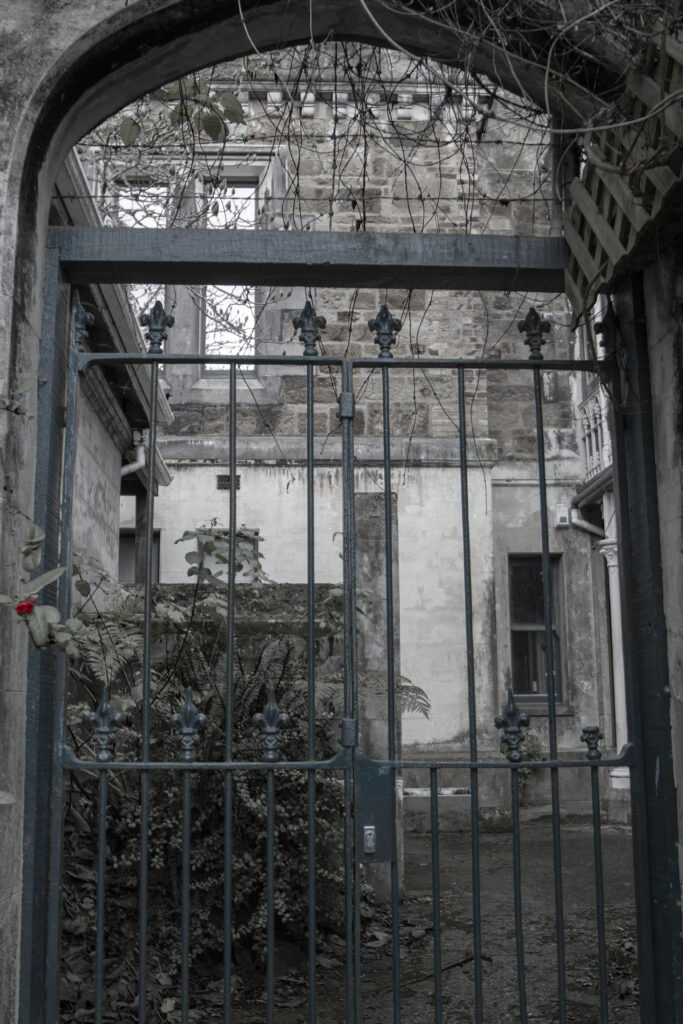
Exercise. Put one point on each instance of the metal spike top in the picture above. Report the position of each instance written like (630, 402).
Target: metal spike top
(385, 327)
(534, 327)
(105, 722)
(82, 321)
(188, 724)
(309, 324)
(157, 320)
(269, 723)
(512, 720)
(591, 736)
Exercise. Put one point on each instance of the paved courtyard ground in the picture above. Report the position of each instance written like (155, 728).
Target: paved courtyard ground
(500, 989)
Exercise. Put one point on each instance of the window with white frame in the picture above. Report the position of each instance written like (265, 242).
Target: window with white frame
(527, 625)
(228, 311)
(141, 203)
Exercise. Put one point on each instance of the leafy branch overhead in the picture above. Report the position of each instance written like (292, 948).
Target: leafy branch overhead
(193, 103)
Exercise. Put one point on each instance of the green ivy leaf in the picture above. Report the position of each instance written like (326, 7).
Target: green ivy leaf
(180, 113)
(31, 549)
(83, 587)
(234, 111)
(213, 125)
(35, 585)
(40, 622)
(129, 130)
(171, 92)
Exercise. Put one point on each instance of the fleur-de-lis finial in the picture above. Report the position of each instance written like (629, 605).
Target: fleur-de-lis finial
(82, 320)
(105, 722)
(385, 327)
(534, 327)
(591, 736)
(309, 324)
(269, 723)
(189, 723)
(512, 721)
(157, 320)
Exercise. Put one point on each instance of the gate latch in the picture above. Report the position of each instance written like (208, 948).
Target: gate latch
(346, 405)
(375, 811)
(369, 839)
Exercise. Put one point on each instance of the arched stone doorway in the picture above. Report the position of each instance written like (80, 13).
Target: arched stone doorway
(144, 47)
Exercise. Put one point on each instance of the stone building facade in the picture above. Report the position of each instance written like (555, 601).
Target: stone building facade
(270, 185)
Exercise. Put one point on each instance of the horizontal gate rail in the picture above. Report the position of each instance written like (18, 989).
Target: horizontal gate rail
(87, 359)
(315, 258)
(626, 759)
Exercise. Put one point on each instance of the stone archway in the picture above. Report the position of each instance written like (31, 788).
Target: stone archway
(67, 71)
(138, 46)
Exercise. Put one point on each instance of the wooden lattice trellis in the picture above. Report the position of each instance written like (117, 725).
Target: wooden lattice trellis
(628, 202)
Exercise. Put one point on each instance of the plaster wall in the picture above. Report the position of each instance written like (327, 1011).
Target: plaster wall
(432, 610)
(517, 527)
(504, 519)
(97, 484)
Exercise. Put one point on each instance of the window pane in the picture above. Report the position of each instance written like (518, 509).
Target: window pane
(229, 320)
(526, 591)
(527, 639)
(142, 204)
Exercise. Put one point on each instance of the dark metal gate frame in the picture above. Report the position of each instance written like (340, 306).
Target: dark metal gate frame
(92, 256)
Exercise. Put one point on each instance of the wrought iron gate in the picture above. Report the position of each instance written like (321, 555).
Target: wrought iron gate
(369, 785)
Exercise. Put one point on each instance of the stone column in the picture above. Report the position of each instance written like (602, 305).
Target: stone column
(619, 777)
(371, 600)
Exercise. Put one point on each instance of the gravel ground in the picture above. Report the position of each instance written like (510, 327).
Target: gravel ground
(499, 966)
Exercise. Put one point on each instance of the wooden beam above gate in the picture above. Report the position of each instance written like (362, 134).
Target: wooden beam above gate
(315, 259)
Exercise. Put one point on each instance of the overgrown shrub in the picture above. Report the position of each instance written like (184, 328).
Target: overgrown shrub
(189, 644)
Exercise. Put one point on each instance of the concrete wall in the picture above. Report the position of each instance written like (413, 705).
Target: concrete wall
(504, 520)
(97, 484)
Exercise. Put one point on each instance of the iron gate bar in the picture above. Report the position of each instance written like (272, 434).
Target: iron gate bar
(349, 737)
(436, 891)
(594, 756)
(310, 614)
(517, 892)
(80, 321)
(471, 702)
(146, 673)
(311, 258)
(229, 683)
(391, 682)
(550, 690)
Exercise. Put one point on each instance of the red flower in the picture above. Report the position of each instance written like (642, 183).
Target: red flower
(25, 607)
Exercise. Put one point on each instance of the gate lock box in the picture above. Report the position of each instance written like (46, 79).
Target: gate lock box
(375, 811)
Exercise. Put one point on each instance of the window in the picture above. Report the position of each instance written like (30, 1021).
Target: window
(527, 626)
(141, 203)
(228, 310)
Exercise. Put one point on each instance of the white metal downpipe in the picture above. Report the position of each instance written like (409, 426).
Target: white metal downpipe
(140, 455)
(577, 520)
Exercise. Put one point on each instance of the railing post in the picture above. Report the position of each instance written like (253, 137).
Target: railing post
(654, 808)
